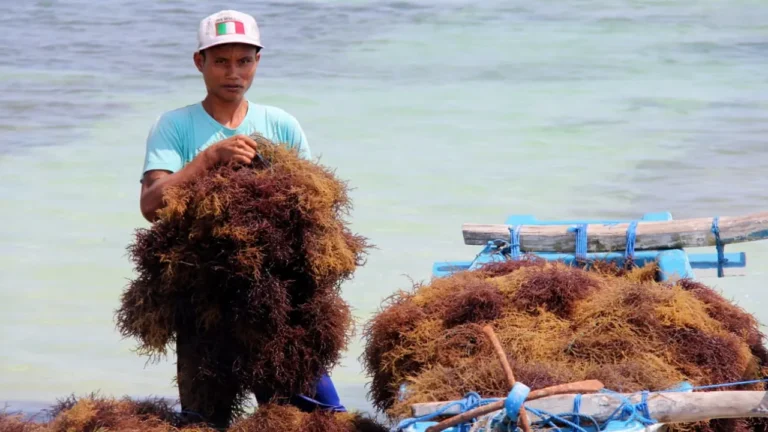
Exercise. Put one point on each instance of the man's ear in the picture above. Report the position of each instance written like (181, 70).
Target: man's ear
(199, 60)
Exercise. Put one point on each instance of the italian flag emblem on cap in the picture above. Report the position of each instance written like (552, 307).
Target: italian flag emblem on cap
(229, 27)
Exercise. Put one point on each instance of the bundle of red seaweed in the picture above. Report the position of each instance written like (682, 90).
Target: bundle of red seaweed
(242, 270)
(95, 413)
(559, 324)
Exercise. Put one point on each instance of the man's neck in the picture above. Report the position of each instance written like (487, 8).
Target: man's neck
(229, 114)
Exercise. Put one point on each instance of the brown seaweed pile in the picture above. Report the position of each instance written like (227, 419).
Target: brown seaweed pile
(558, 324)
(242, 271)
(101, 414)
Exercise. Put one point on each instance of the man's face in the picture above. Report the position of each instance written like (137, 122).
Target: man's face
(228, 69)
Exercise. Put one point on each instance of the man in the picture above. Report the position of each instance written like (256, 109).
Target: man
(186, 142)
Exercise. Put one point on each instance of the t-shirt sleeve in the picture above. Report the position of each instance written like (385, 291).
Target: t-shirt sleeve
(293, 135)
(163, 149)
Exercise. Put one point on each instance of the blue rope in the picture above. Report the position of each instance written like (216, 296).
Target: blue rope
(645, 412)
(629, 252)
(514, 241)
(577, 406)
(489, 247)
(626, 413)
(549, 419)
(719, 246)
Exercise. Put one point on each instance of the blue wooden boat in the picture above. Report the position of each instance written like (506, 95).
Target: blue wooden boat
(674, 263)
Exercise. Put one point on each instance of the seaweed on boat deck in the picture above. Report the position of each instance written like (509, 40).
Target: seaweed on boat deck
(709, 358)
(401, 317)
(242, 271)
(558, 324)
(478, 303)
(502, 268)
(556, 291)
(733, 317)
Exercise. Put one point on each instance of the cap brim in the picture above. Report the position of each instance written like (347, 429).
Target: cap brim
(232, 39)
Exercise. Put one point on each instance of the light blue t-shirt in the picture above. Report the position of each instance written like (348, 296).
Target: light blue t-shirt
(179, 135)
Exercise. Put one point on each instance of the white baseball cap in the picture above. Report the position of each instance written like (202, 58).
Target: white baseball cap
(228, 26)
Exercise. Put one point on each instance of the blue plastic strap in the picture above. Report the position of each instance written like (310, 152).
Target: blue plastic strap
(581, 240)
(629, 252)
(514, 241)
(514, 401)
(719, 246)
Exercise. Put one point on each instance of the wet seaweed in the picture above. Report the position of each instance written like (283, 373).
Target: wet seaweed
(735, 319)
(477, 304)
(559, 323)
(281, 418)
(398, 318)
(556, 290)
(503, 268)
(94, 413)
(242, 272)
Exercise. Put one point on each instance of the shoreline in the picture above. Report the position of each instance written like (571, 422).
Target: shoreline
(353, 397)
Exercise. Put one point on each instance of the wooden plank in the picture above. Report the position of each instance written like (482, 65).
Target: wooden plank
(675, 234)
(671, 407)
(488, 330)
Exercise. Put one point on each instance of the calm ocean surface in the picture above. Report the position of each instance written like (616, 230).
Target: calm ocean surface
(437, 113)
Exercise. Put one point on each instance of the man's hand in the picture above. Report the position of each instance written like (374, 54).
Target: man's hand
(239, 148)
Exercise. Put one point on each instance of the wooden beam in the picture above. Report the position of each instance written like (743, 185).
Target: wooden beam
(675, 234)
(671, 407)
(488, 330)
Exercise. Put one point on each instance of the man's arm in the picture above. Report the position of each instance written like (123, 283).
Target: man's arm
(155, 182)
(238, 149)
